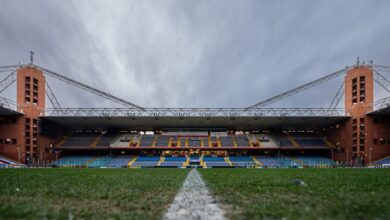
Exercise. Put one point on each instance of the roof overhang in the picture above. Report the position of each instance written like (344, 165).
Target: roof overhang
(8, 112)
(237, 123)
(381, 112)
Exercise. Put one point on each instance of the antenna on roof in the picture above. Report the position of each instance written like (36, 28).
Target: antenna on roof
(31, 57)
(357, 61)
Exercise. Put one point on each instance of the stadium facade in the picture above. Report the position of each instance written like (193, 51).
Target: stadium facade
(30, 132)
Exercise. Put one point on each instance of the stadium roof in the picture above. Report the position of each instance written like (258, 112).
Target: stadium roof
(8, 112)
(381, 112)
(237, 123)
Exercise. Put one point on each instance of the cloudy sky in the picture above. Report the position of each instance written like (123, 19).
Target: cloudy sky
(223, 53)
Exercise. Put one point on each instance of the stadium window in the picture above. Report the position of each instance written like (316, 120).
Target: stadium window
(7, 141)
(1, 140)
(13, 141)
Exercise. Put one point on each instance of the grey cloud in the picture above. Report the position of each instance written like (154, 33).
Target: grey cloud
(194, 53)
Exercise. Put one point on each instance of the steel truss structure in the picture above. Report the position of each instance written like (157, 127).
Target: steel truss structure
(132, 110)
(382, 103)
(7, 103)
(196, 112)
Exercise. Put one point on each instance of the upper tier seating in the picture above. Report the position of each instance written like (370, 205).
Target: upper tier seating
(226, 141)
(145, 161)
(106, 140)
(314, 161)
(122, 140)
(276, 162)
(80, 140)
(311, 142)
(119, 161)
(283, 140)
(147, 141)
(267, 140)
(194, 142)
(242, 141)
(162, 141)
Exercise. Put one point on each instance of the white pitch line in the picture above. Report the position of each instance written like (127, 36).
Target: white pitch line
(194, 201)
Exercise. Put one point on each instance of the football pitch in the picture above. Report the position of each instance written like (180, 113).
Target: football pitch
(148, 193)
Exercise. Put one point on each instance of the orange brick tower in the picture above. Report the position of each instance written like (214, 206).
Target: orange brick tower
(363, 132)
(31, 102)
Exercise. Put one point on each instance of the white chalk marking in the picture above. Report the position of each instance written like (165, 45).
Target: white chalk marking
(194, 201)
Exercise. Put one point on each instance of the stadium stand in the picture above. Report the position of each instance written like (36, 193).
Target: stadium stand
(119, 161)
(241, 161)
(5, 162)
(147, 140)
(242, 140)
(266, 140)
(215, 162)
(80, 140)
(309, 140)
(162, 141)
(284, 140)
(383, 162)
(313, 161)
(73, 161)
(227, 141)
(173, 162)
(276, 162)
(146, 161)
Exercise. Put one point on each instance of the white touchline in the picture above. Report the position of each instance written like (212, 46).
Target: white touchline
(194, 201)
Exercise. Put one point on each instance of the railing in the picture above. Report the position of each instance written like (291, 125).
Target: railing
(195, 112)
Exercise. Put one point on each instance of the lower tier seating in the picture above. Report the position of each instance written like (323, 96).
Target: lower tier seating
(119, 161)
(215, 162)
(145, 161)
(272, 161)
(383, 161)
(241, 161)
(314, 161)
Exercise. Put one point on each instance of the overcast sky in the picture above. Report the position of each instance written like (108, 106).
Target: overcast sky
(194, 53)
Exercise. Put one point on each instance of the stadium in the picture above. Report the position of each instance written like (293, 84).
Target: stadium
(253, 136)
(194, 110)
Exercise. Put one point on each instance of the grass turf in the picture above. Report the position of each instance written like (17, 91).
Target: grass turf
(87, 193)
(330, 194)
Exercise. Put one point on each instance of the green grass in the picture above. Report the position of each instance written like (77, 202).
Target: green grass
(87, 193)
(330, 194)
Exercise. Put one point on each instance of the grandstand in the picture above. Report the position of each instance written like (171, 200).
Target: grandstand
(139, 137)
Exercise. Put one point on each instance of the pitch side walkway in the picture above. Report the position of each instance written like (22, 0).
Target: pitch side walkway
(194, 201)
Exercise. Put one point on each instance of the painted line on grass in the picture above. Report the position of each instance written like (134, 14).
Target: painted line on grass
(194, 201)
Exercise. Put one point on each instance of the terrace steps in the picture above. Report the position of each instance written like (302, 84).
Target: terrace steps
(160, 161)
(298, 161)
(328, 143)
(293, 141)
(258, 162)
(234, 141)
(63, 140)
(96, 141)
(132, 161)
(227, 160)
(90, 161)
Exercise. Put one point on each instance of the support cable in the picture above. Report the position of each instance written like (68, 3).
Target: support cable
(53, 99)
(89, 88)
(8, 81)
(298, 89)
(336, 99)
(382, 81)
